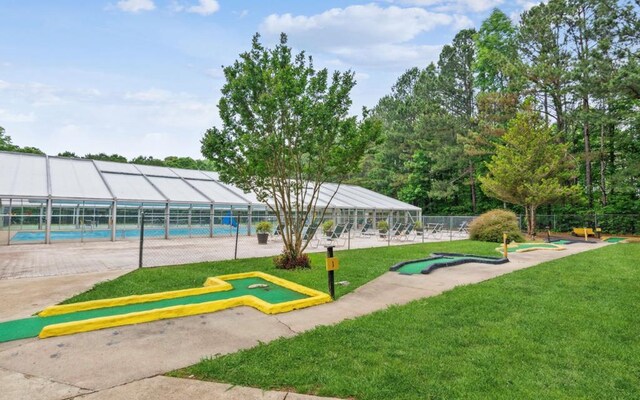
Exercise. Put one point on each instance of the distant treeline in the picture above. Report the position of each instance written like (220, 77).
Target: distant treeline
(578, 60)
(6, 144)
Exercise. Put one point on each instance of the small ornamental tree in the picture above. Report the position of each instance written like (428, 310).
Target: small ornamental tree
(530, 169)
(285, 131)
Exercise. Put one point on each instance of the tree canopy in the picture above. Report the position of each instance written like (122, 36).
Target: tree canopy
(286, 130)
(530, 168)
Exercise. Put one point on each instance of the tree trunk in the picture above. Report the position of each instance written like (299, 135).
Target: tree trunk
(472, 183)
(531, 229)
(587, 153)
(603, 166)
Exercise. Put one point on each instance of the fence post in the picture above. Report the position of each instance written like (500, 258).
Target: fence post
(235, 254)
(450, 228)
(141, 241)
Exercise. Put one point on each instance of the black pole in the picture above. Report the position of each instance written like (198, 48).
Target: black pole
(330, 275)
(548, 235)
(141, 240)
(235, 255)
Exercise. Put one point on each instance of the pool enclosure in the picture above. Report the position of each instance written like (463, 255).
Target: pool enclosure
(46, 199)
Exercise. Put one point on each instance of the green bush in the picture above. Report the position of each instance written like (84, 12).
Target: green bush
(383, 226)
(327, 226)
(264, 227)
(490, 226)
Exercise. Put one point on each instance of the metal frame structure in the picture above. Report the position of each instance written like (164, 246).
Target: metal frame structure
(53, 183)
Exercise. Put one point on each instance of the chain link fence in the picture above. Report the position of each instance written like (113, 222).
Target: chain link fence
(618, 224)
(235, 236)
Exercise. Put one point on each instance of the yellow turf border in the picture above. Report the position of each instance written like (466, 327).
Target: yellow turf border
(316, 298)
(211, 285)
(555, 247)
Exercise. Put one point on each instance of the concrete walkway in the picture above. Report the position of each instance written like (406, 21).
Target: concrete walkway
(125, 362)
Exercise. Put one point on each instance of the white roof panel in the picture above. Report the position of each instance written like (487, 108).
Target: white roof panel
(132, 187)
(190, 173)
(109, 166)
(23, 175)
(76, 179)
(212, 175)
(155, 170)
(217, 192)
(177, 190)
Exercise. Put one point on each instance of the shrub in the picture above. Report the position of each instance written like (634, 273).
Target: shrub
(285, 261)
(327, 226)
(418, 226)
(264, 227)
(383, 226)
(490, 226)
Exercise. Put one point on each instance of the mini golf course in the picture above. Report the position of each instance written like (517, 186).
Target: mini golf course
(441, 260)
(264, 292)
(524, 247)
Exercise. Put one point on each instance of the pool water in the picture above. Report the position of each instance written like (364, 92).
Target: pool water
(123, 233)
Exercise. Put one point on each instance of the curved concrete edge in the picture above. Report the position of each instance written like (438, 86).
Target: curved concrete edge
(166, 388)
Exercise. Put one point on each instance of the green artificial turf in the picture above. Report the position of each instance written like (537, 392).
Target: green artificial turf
(541, 246)
(566, 329)
(615, 239)
(31, 327)
(356, 266)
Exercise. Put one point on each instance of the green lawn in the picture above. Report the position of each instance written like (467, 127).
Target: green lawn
(356, 266)
(564, 329)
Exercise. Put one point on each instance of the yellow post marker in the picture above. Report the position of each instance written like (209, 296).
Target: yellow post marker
(504, 244)
(586, 237)
(333, 264)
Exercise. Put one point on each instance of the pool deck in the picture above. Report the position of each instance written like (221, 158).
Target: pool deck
(38, 260)
(90, 365)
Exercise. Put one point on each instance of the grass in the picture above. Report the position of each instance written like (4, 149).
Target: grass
(356, 266)
(563, 329)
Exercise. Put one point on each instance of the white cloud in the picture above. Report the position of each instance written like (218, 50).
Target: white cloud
(366, 34)
(149, 96)
(4, 84)
(215, 73)
(8, 116)
(204, 7)
(462, 6)
(135, 6)
(357, 25)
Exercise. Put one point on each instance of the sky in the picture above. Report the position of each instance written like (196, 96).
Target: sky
(143, 77)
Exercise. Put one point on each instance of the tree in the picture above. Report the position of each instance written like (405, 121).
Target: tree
(69, 154)
(530, 169)
(286, 131)
(144, 160)
(6, 144)
(106, 157)
(5, 141)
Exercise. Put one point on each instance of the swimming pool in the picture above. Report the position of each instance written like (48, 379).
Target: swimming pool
(124, 233)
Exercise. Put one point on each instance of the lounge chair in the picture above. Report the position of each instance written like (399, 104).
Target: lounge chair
(366, 231)
(463, 229)
(398, 232)
(309, 234)
(277, 233)
(409, 233)
(334, 238)
(433, 230)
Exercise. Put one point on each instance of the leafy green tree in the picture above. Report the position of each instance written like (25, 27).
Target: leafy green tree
(530, 169)
(144, 160)
(181, 162)
(5, 141)
(69, 154)
(6, 144)
(497, 64)
(106, 157)
(286, 131)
